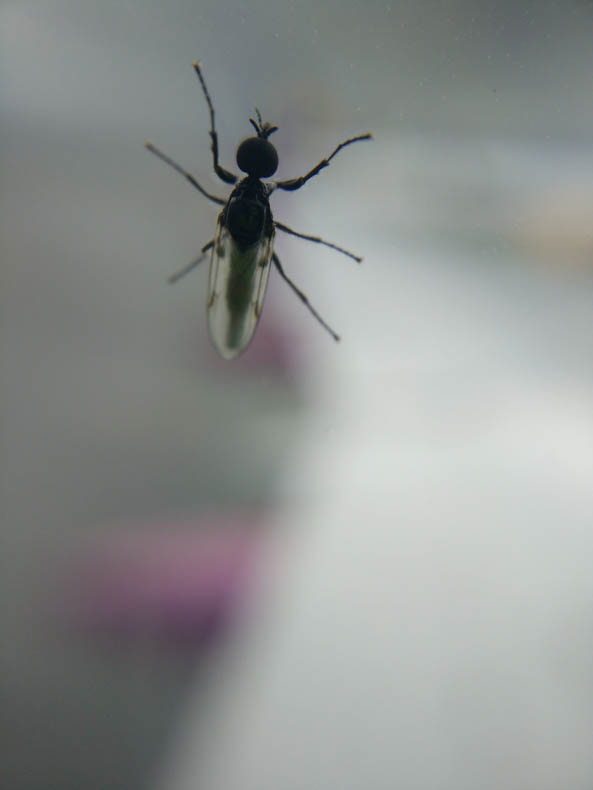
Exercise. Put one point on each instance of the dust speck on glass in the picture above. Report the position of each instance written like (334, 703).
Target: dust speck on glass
(243, 247)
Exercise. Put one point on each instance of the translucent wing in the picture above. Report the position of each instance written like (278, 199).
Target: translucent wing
(237, 286)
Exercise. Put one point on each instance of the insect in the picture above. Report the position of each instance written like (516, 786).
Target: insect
(242, 251)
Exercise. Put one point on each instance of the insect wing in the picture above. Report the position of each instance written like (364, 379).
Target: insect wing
(237, 286)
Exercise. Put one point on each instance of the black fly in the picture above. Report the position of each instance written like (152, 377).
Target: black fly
(243, 248)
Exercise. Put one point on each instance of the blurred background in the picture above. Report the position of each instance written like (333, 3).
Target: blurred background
(363, 565)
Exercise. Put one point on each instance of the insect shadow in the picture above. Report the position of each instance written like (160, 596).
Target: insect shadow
(243, 247)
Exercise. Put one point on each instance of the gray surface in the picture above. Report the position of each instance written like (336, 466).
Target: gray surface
(434, 627)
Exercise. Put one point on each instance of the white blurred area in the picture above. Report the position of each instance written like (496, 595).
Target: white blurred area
(420, 612)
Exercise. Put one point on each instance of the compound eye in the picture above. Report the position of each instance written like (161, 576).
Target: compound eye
(257, 157)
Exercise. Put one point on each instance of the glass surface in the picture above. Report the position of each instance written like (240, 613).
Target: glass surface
(354, 565)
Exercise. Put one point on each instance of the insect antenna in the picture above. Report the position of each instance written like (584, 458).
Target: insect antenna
(263, 128)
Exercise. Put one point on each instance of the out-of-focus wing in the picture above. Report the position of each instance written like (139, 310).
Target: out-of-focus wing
(237, 286)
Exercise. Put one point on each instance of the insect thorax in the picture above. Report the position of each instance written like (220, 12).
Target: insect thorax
(247, 214)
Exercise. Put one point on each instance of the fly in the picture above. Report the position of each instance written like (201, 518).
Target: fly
(243, 248)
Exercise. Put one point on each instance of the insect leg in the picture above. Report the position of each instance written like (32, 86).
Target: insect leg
(302, 297)
(183, 172)
(188, 267)
(297, 183)
(227, 177)
(316, 239)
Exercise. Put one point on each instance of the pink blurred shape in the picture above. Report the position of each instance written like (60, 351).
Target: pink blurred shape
(179, 582)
